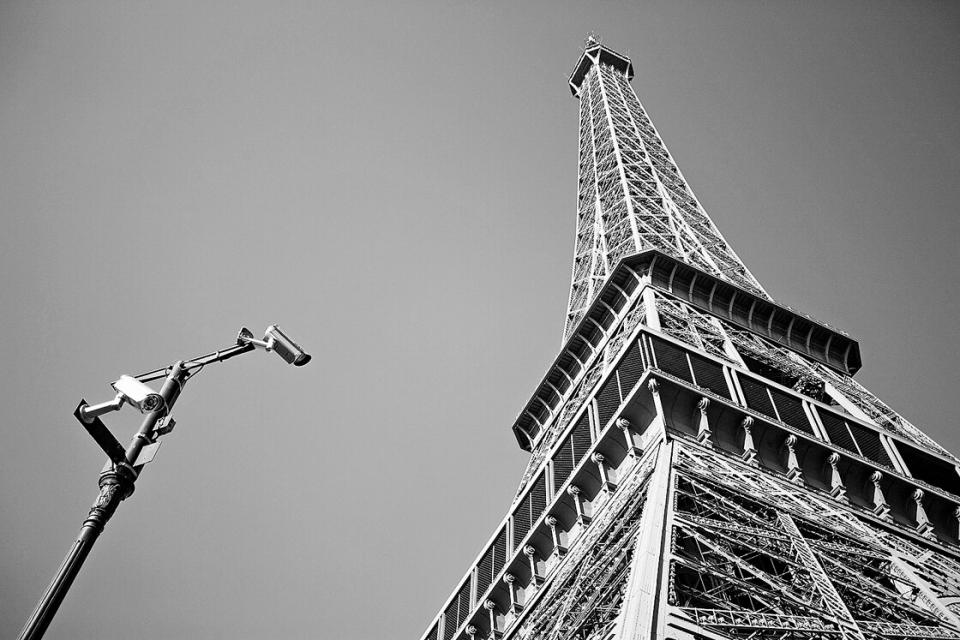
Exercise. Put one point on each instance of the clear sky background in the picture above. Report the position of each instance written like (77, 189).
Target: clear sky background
(394, 183)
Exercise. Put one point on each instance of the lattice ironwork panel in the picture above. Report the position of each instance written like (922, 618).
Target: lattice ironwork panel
(753, 556)
(632, 196)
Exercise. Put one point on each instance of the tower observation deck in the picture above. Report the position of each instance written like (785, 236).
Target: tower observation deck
(703, 464)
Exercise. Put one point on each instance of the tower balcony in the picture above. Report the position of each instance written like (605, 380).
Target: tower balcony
(596, 53)
(704, 291)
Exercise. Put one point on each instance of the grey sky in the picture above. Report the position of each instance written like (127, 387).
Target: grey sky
(394, 183)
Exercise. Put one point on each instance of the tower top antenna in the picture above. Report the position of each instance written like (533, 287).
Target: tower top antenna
(595, 53)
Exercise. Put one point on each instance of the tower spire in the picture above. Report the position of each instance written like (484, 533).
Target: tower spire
(631, 196)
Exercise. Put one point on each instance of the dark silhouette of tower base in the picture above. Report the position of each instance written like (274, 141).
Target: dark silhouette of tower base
(702, 463)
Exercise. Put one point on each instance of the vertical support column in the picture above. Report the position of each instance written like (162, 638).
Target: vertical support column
(624, 425)
(837, 490)
(582, 518)
(593, 411)
(606, 486)
(820, 579)
(880, 506)
(924, 526)
(654, 388)
(749, 451)
(511, 579)
(642, 612)
(558, 549)
(794, 473)
(651, 315)
(495, 631)
(531, 552)
(703, 431)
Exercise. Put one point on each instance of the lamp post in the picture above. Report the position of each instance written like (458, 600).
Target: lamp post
(124, 466)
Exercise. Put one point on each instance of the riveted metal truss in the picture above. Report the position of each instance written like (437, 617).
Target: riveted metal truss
(753, 557)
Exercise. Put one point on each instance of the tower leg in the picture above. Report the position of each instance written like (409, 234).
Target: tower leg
(644, 604)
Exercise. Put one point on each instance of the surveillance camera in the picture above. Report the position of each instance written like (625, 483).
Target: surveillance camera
(138, 394)
(286, 348)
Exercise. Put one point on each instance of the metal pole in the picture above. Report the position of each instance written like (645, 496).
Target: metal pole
(116, 484)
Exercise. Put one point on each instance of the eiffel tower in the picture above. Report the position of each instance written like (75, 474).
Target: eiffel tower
(703, 464)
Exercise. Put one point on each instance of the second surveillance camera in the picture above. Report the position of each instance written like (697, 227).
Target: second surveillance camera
(138, 394)
(278, 342)
(286, 348)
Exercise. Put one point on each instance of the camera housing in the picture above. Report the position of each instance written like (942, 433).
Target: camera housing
(138, 394)
(284, 347)
(278, 342)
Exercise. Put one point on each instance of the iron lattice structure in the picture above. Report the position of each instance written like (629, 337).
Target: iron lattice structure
(631, 195)
(702, 463)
